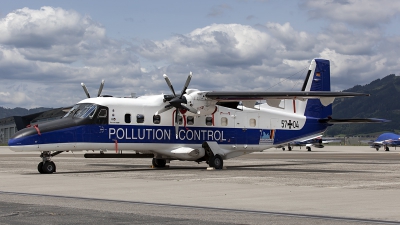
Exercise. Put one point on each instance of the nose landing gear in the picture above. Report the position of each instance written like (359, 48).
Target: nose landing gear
(47, 166)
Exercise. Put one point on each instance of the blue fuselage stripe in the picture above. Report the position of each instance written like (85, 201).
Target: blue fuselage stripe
(165, 134)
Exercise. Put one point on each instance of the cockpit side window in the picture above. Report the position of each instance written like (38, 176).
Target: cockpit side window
(102, 116)
(85, 110)
(103, 113)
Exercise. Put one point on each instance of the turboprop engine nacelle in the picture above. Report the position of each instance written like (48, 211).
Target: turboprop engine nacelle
(199, 101)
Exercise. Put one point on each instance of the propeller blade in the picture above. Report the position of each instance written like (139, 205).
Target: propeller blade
(176, 123)
(186, 84)
(100, 88)
(190, 109)
(85, 89)
(169, 84)
(166, 108)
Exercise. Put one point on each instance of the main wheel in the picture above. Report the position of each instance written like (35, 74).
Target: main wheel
(283, 149)
(387, 148)
(159, 163)
(309, 149)
(49, 167)
(377, 149)
(216, 162)
(289, 148)
(40, 167)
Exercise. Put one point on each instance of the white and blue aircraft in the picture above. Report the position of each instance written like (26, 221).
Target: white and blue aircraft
(194, 125)
(385, 140)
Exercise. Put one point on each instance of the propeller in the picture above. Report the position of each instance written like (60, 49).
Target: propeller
(178, 102)
(87, 92)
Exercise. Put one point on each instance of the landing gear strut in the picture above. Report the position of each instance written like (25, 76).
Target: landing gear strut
(47, 166)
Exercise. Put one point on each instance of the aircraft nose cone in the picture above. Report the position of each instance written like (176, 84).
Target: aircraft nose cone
(23, 137)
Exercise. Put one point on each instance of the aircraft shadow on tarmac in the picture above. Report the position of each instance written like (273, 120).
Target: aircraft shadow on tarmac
(258, 167)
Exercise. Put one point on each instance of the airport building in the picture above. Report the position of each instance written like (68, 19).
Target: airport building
(12, 124)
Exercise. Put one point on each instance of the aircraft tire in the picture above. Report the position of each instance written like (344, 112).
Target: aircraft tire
(159, 163)
(216, 162)
(49, 167)
(387, 149)
(377, 149)
(283, 149)
(289, 148)
(309, 149)
(40, 167)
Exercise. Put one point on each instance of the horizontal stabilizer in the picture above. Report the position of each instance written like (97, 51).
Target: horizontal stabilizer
(346, 121)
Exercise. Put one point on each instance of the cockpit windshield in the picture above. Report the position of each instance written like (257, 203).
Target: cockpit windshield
(82, 111)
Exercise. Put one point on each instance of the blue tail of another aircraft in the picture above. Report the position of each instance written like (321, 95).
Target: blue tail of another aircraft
(318, 79)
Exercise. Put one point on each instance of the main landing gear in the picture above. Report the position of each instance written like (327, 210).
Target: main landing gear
(216, 162)
(158, 163)
(47, 166)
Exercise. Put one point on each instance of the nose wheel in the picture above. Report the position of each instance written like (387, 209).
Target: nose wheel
(47, 166)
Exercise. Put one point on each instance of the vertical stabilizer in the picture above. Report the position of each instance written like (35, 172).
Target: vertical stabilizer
(317, 79)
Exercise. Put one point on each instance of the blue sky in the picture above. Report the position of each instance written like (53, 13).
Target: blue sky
(47, 48)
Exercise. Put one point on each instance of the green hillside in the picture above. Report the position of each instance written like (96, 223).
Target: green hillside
(383, 103)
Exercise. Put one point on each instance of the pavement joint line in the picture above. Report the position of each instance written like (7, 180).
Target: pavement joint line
(210, 208)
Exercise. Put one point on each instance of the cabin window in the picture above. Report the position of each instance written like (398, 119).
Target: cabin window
(103, 113)
(190, 120)
(253, 122)
(224, 121)
(139, 118)
(128, 118)
(209, 121)
(156, 119)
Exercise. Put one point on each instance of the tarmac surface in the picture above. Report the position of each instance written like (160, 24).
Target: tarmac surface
(333, 185)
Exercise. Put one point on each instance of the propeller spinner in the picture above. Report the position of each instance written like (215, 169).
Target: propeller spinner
(178, 102)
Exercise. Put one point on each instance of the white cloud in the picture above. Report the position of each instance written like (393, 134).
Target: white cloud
(354, 12)
(218, 45)
(19, 98)
(45, 54)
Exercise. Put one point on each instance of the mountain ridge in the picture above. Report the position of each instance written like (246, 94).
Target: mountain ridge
(18, 111)
(383, 102)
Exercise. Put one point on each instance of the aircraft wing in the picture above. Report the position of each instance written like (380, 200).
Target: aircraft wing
(302, 95)
(344, 121)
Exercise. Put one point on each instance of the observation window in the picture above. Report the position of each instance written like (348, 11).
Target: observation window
(156, 119)
(190, 120)
(209, 121)
(128, 118)
(139, 118)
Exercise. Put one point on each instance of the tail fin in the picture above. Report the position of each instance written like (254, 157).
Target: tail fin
(318, 79)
